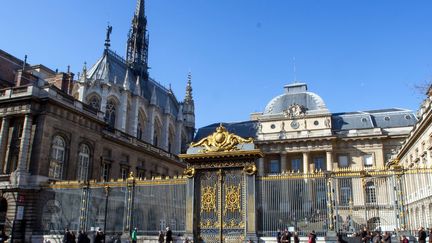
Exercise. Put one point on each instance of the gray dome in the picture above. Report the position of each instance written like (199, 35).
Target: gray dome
(296, 94)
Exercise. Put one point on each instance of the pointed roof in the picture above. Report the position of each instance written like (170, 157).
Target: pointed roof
(188, 97)
(137, 44)
(127, 80)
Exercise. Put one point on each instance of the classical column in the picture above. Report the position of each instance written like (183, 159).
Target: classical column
(261, 166)
(329, 160)
(25, 142)
(3, 140)
(283, 161)
(305, 162)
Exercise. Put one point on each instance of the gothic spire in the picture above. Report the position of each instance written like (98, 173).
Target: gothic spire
(188, 97)
(137, 44)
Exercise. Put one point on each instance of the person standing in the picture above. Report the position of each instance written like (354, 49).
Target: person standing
(312, 237)
(161, 237)
(99, 238)
(134, 235)
(3, 236)
(168, 234)
(278, 236)
(430, 235)
(296, 237)
(67, 237)
(421, 235)
(377, 237)
(404, 239)
(386, 237)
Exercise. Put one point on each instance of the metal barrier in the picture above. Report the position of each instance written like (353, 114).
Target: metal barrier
(341, 201)
(115, 207)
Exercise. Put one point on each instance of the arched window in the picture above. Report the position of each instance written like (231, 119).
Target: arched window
(140, 131)
(83, 163)
(58, 149)
(155, 138)
(110, 113)
(370, 192)
(95, 102)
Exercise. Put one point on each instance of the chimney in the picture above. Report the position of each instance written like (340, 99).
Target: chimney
(63, 81)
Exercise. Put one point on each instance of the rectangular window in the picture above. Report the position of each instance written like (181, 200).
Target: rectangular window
(296, 164)
(343, 161)
(368, 160)
(370, 193)
(124, 173)
(275, 166)
(105, 171)
(345, 191)
(319, 163)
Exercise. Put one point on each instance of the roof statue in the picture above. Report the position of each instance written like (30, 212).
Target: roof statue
(108, 34)
(221, 141)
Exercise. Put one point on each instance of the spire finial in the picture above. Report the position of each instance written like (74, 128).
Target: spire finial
(84, 70)
(188, 96)
(108, 34)
(137, 44)
(295, 70)
(25, 62)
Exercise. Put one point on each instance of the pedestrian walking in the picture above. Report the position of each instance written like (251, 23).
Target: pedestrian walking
(161, 237)
(3, 236)
(421, 235)
(82, 237)
(312, 237)
(430, 235)
(278, 236)
(377, 237)
(296, 237)
(134, 235)
(168, 235)
(387, 237)
(404, 239)
(100, 237)
(67, 237)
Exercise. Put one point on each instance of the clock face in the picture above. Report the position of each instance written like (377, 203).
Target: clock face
(295, 124)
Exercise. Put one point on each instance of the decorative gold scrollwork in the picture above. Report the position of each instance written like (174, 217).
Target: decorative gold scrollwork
(250, 170)
(232, 199)
(221, 141)
(189, 172)
(208, 199)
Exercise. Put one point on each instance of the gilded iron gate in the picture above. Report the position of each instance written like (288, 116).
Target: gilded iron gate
(221, 205)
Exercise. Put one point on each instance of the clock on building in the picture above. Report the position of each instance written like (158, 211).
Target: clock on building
(295, 124)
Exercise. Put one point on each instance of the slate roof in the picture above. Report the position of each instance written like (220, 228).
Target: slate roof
(111, 68)
(385, 118)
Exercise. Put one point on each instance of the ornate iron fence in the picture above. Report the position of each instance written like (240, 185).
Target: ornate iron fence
(342, 201)
(115, 207)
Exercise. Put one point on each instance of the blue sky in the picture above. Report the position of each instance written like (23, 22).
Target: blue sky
(357, 55)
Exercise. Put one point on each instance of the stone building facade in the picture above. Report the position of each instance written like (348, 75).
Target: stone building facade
(111, 121)
(415, 154)
(299, 135)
